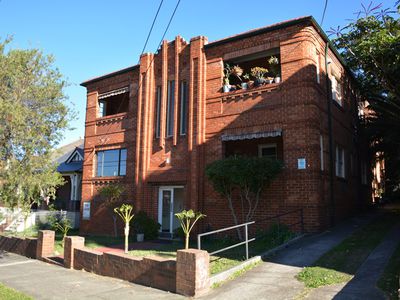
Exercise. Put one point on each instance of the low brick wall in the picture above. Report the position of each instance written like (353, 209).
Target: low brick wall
(22, 246)
(188, 275)
(154, 271)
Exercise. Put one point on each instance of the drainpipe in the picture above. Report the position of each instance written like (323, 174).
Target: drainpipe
(330, 134)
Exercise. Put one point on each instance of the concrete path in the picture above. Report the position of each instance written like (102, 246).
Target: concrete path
(363, 285)
(44, 281)
(275, 279)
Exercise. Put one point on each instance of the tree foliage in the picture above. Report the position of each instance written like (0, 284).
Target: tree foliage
(125, 211)
(370, 46)
(112, 193)
(33, 115)
(188, 219)
(248, 176)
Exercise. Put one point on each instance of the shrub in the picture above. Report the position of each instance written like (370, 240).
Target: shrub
(142, 223)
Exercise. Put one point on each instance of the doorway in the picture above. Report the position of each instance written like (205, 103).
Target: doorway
(170, 201)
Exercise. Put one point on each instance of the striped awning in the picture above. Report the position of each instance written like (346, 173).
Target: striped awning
(249, 136)
(114, 93)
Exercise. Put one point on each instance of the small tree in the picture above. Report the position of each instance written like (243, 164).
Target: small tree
(112, 193)
(188, 218)
(125, 211)
(59, 222)
(248, 176)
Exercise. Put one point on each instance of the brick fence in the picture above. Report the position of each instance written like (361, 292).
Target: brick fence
(39, 248)
(187, 275)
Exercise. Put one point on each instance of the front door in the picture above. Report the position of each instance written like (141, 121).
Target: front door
(170, 202)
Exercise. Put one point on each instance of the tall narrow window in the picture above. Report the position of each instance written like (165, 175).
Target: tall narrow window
(317, 66)
(158, 112)
(184, 107)
(336, 90)
(340, 162)
(321, 149)
(102, 109)
(170, 108)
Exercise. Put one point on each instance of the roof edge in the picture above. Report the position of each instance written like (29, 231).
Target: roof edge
(107, 75)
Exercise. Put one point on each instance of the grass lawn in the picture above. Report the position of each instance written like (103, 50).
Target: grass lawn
(389, 281)
(11, 294)
(341, 262)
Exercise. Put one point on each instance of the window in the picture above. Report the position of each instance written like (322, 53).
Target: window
(321, 149)
(170, 108)
(111, 163)
(184, 108)
(336, 90)
(340, 162)
(268, 151)
(113, 102)
(317, 66)
(76, 157)
(158, 112)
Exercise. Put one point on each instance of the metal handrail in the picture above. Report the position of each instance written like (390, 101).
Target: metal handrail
(246, 241)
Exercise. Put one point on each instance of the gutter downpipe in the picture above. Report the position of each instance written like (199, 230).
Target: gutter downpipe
(331, 156)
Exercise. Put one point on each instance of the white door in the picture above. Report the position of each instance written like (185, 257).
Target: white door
(170, 202)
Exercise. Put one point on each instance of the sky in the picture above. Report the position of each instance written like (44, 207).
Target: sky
(92, 37)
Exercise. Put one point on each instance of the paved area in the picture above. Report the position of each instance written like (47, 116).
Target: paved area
(363, 285)
(44, 281)
(275, 278)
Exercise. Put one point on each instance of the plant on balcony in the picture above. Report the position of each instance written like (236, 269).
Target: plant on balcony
(237, 71)
(245, 81)
(258, 73)
(227, 74)
(273, 62)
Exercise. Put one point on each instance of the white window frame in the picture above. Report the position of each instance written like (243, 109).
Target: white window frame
(337, 89)
(340, 162)
(102, 110)
(317, 66)
(267, 146)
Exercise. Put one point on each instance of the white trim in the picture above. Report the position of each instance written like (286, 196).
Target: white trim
(266, 146)
(72, 155)
(171, 208)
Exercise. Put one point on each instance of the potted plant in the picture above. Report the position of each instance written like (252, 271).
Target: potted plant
(145, 227)
(269, 79)
(237, 71)
(245, 81)
(227, 74)
(273, 62)
(258, 73)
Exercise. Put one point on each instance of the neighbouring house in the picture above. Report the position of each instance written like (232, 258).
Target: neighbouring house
(70, 164)
(154, 127)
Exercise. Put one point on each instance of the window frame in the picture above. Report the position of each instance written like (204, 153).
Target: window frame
(120, 150)
(170, 109)
(340, 162)
(337, 89)
(158, 111)
(267, 146)
(184, 108)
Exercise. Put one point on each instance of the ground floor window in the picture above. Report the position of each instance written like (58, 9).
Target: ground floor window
(340, 162)
(111, 163)
(268, 151)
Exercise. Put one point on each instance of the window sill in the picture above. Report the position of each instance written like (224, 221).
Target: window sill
(107, 179)
(112, 118)
(249, 92)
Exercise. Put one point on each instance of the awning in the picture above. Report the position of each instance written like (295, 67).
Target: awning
(114, 93)
(249, 136)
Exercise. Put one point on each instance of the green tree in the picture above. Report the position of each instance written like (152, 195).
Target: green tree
(370, 46)
(33, 116)
(125, 211)
(188, 219)
(247, 176)
(112, 193)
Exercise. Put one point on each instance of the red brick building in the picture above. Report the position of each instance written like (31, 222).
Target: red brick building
(156, 125)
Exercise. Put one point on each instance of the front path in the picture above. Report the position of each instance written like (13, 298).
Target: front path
(44, 281)
(275, 279)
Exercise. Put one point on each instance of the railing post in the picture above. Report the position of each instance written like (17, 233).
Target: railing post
(247, 242)
(199, 242)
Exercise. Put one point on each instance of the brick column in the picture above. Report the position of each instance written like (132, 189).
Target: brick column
(70, 243)
(192, 272)
(45, 244)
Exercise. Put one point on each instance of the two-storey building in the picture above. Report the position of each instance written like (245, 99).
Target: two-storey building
(155, 126)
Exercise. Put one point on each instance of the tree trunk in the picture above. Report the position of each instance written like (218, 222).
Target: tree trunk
(126, 237)
(187, 241)
(239, 233)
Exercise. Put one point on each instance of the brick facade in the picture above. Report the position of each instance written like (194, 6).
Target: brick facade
(296, 108)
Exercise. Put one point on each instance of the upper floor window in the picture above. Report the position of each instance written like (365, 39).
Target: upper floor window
(317, 66)
(76, 158)
(111, 163)
(268, 151)
(158, 111)
(113, 102)
(337, 90)
(184, 108)
(170, 108)
(340, 162)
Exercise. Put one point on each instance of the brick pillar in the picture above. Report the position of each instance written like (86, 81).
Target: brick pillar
(192, 272)
(45, 244)
(70, 243)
